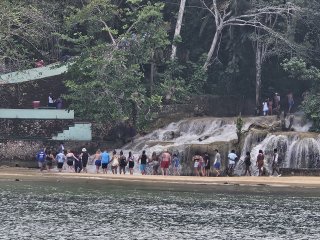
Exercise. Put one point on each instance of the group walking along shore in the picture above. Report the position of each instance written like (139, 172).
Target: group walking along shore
(164, 163)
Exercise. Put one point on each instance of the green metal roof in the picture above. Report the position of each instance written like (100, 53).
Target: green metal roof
(33, 74)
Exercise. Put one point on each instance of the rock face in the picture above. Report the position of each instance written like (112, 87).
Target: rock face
(31, 129)
(297, 149)
(223, 148)
(300, 172)
(22, 153)
(206, 105)
(19, 153)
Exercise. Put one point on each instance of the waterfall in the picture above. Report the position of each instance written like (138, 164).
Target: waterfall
(303, 153)
(252, 139)
(297, 149)
(186, 132)
(193, 131)
(267, 146)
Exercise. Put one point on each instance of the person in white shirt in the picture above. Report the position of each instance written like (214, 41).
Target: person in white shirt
(232, 157)
(217, 162)
(50, 100)
(265, 108)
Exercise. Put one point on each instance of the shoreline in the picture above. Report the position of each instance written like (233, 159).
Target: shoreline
(259, 185)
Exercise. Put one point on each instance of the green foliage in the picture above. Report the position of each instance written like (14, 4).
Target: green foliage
(171, 86)
(24, 29)
(116, 42)
(297, 68)
(107, 83)
(239, 125)
(177, 40)
(197, 76)
(148, 33)
(310, 106)
(105, 90)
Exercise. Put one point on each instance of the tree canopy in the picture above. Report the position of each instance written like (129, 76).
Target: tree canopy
(133, 56)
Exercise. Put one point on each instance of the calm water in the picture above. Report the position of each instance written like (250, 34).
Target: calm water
(32, 210)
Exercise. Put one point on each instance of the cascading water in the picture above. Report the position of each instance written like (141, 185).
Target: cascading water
(303, 153)
(186, 132)
(267, 145)
(297, 149)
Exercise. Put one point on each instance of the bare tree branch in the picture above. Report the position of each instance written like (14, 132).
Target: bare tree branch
(252, 18)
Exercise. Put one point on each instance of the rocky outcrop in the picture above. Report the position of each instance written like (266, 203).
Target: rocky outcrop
(31, 129)
(22, 153)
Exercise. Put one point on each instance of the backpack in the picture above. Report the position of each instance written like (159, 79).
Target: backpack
(247, 161)
(123, 161)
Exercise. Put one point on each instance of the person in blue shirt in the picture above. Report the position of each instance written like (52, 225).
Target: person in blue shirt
(41, 157)
(176, 164)
(105, 159)
(61, 158)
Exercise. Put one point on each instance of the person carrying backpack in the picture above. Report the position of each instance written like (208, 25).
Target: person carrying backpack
(41, 157)
(123, 163)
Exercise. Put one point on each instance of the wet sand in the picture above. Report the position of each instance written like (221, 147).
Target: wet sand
(266, 185)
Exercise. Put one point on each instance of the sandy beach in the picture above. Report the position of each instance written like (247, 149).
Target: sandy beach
(292, 184)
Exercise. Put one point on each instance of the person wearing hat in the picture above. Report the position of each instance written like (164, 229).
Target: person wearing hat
(84, 156)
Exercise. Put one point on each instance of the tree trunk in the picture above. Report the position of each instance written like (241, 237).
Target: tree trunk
(213, 48)
(258, 73)
(152, 66)
(178, 29)
(150, 78)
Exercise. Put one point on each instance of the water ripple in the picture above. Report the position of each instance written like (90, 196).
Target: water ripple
(32, 211)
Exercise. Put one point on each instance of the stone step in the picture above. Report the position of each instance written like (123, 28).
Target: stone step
(77, 132)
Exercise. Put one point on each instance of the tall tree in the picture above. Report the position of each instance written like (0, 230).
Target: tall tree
(110, 71)
(177, 29)
(24, 30)
(266, 44)
(224, 15)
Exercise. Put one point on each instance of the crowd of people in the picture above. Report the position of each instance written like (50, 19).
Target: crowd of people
(103, 161)
(203, 166)
(271, 105)
(67, 160)
(233, 160)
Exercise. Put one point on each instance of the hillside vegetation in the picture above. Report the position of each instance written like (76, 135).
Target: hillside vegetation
(133, 56)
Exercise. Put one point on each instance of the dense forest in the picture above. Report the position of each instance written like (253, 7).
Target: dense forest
(132, 56)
